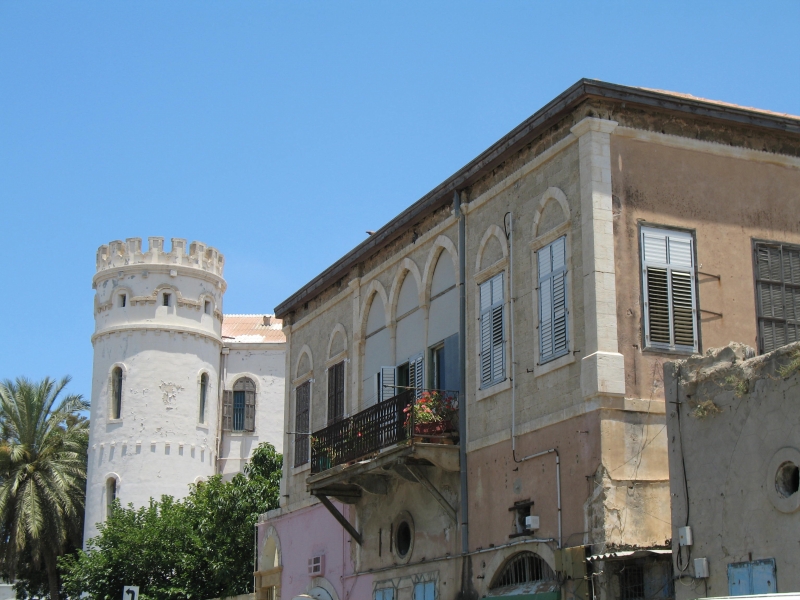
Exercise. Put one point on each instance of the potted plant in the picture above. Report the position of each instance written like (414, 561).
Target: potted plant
(431, 414)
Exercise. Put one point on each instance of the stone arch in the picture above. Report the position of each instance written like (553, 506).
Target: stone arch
(320, 588)
(406, 266)
(440, 245)
(560, 200)
(492, 232)
(304, 367)
(374, 289)
(270, 555)
(338, 330)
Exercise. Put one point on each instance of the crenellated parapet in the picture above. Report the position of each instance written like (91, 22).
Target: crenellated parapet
(119, 254)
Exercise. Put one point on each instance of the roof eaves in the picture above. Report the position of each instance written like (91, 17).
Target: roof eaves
(517, 138)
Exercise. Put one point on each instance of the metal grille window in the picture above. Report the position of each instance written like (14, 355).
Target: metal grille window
(668, 281)
(335, 392)
(384, 594)
(631, 582)
(244, 405)
(778, 294)
(425, 590)
(302, 422)
(553, 334)
(492, 357)
(523, 568)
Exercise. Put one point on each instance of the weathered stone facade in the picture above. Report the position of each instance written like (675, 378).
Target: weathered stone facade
(582, 435)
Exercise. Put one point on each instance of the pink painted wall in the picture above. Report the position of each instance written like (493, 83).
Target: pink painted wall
(308, 532)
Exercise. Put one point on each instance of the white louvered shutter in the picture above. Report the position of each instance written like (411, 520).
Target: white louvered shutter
(553, 332)
(492, 331)
(668, 275)
(388, 377)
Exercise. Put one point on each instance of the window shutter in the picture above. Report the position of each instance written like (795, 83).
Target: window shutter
(492, 331)
(778, 292)
(553, 332)
(668, 275)
(227, 410)
(250, 410)
(302, 423)
(416, 377)
(336, 392)
(388, 377)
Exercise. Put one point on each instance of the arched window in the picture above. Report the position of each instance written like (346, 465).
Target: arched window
(111, 493)
(203, 396)
(116, 393)
(239, 407)
(524, 567)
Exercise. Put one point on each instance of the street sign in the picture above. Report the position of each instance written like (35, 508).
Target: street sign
(130, 592)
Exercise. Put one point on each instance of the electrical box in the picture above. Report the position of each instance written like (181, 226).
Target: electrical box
(531, 522)
(685, 536)
(701, 568)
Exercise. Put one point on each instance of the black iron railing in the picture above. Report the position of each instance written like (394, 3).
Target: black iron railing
(430, 414)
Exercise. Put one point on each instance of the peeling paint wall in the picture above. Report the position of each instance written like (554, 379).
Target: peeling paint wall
(732, 422)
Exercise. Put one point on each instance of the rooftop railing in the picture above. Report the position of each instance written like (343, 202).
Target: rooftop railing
(412, 413)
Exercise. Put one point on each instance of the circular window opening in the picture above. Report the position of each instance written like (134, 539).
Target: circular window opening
(787, 480)
(403, 543)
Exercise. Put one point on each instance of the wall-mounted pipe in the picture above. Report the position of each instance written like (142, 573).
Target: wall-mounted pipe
(509, 217)
(462, 359)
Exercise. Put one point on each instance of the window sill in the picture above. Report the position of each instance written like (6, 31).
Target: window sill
(113, 421)
(302, 468)
(675, 352)
(495, 389)
(556, 363)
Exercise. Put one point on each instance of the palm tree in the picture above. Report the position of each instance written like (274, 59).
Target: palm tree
(42, 473)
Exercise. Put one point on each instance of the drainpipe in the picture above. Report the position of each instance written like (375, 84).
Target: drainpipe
(462, 359)
(510, 235)
(223, 367)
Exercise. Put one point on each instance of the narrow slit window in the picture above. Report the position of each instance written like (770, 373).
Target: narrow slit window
(116, 393)
(668, 282)
(208, 307)
(166, 299)
(122, 300)
(111, 494)
(203, 395)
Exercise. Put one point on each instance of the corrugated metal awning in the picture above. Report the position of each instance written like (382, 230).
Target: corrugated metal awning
(620, 554)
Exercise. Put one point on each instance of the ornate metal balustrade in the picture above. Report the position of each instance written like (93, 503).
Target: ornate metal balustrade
(383, 425)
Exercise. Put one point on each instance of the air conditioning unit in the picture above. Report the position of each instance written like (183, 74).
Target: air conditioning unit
(316, 566)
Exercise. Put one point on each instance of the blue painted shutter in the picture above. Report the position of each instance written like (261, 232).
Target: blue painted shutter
(763, 576)
(756, 577)
(739, 579)
(553, 332)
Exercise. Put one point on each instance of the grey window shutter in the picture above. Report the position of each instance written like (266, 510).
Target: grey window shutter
(416, 377)
(452, 369)
(388, 377)
(227, 410)
(336, 392)
(492, 331)
(778, 294)
(250, 410)
(553, 332)
(302, 423)
(668, 276)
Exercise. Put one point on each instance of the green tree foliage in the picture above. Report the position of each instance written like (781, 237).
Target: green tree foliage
(199, 547)
(42, 478)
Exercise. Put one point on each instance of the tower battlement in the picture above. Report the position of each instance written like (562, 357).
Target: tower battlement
(119, 254)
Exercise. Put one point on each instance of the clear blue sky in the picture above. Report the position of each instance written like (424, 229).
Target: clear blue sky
(280, 131)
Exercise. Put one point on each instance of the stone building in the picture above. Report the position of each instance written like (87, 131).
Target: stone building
(179, 392)
(540, 289)
(734, 454)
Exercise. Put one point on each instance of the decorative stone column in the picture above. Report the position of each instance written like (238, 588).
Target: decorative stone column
(602, 366)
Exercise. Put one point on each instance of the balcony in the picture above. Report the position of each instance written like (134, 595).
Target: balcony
(412, 416)
(398, 438)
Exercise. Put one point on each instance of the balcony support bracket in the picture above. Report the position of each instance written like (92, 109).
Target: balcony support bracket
(426, 483)
(340, 517)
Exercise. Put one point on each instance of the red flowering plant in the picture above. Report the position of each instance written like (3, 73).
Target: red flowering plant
(430, 407)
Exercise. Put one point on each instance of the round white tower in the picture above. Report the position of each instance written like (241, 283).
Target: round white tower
(157, 348)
